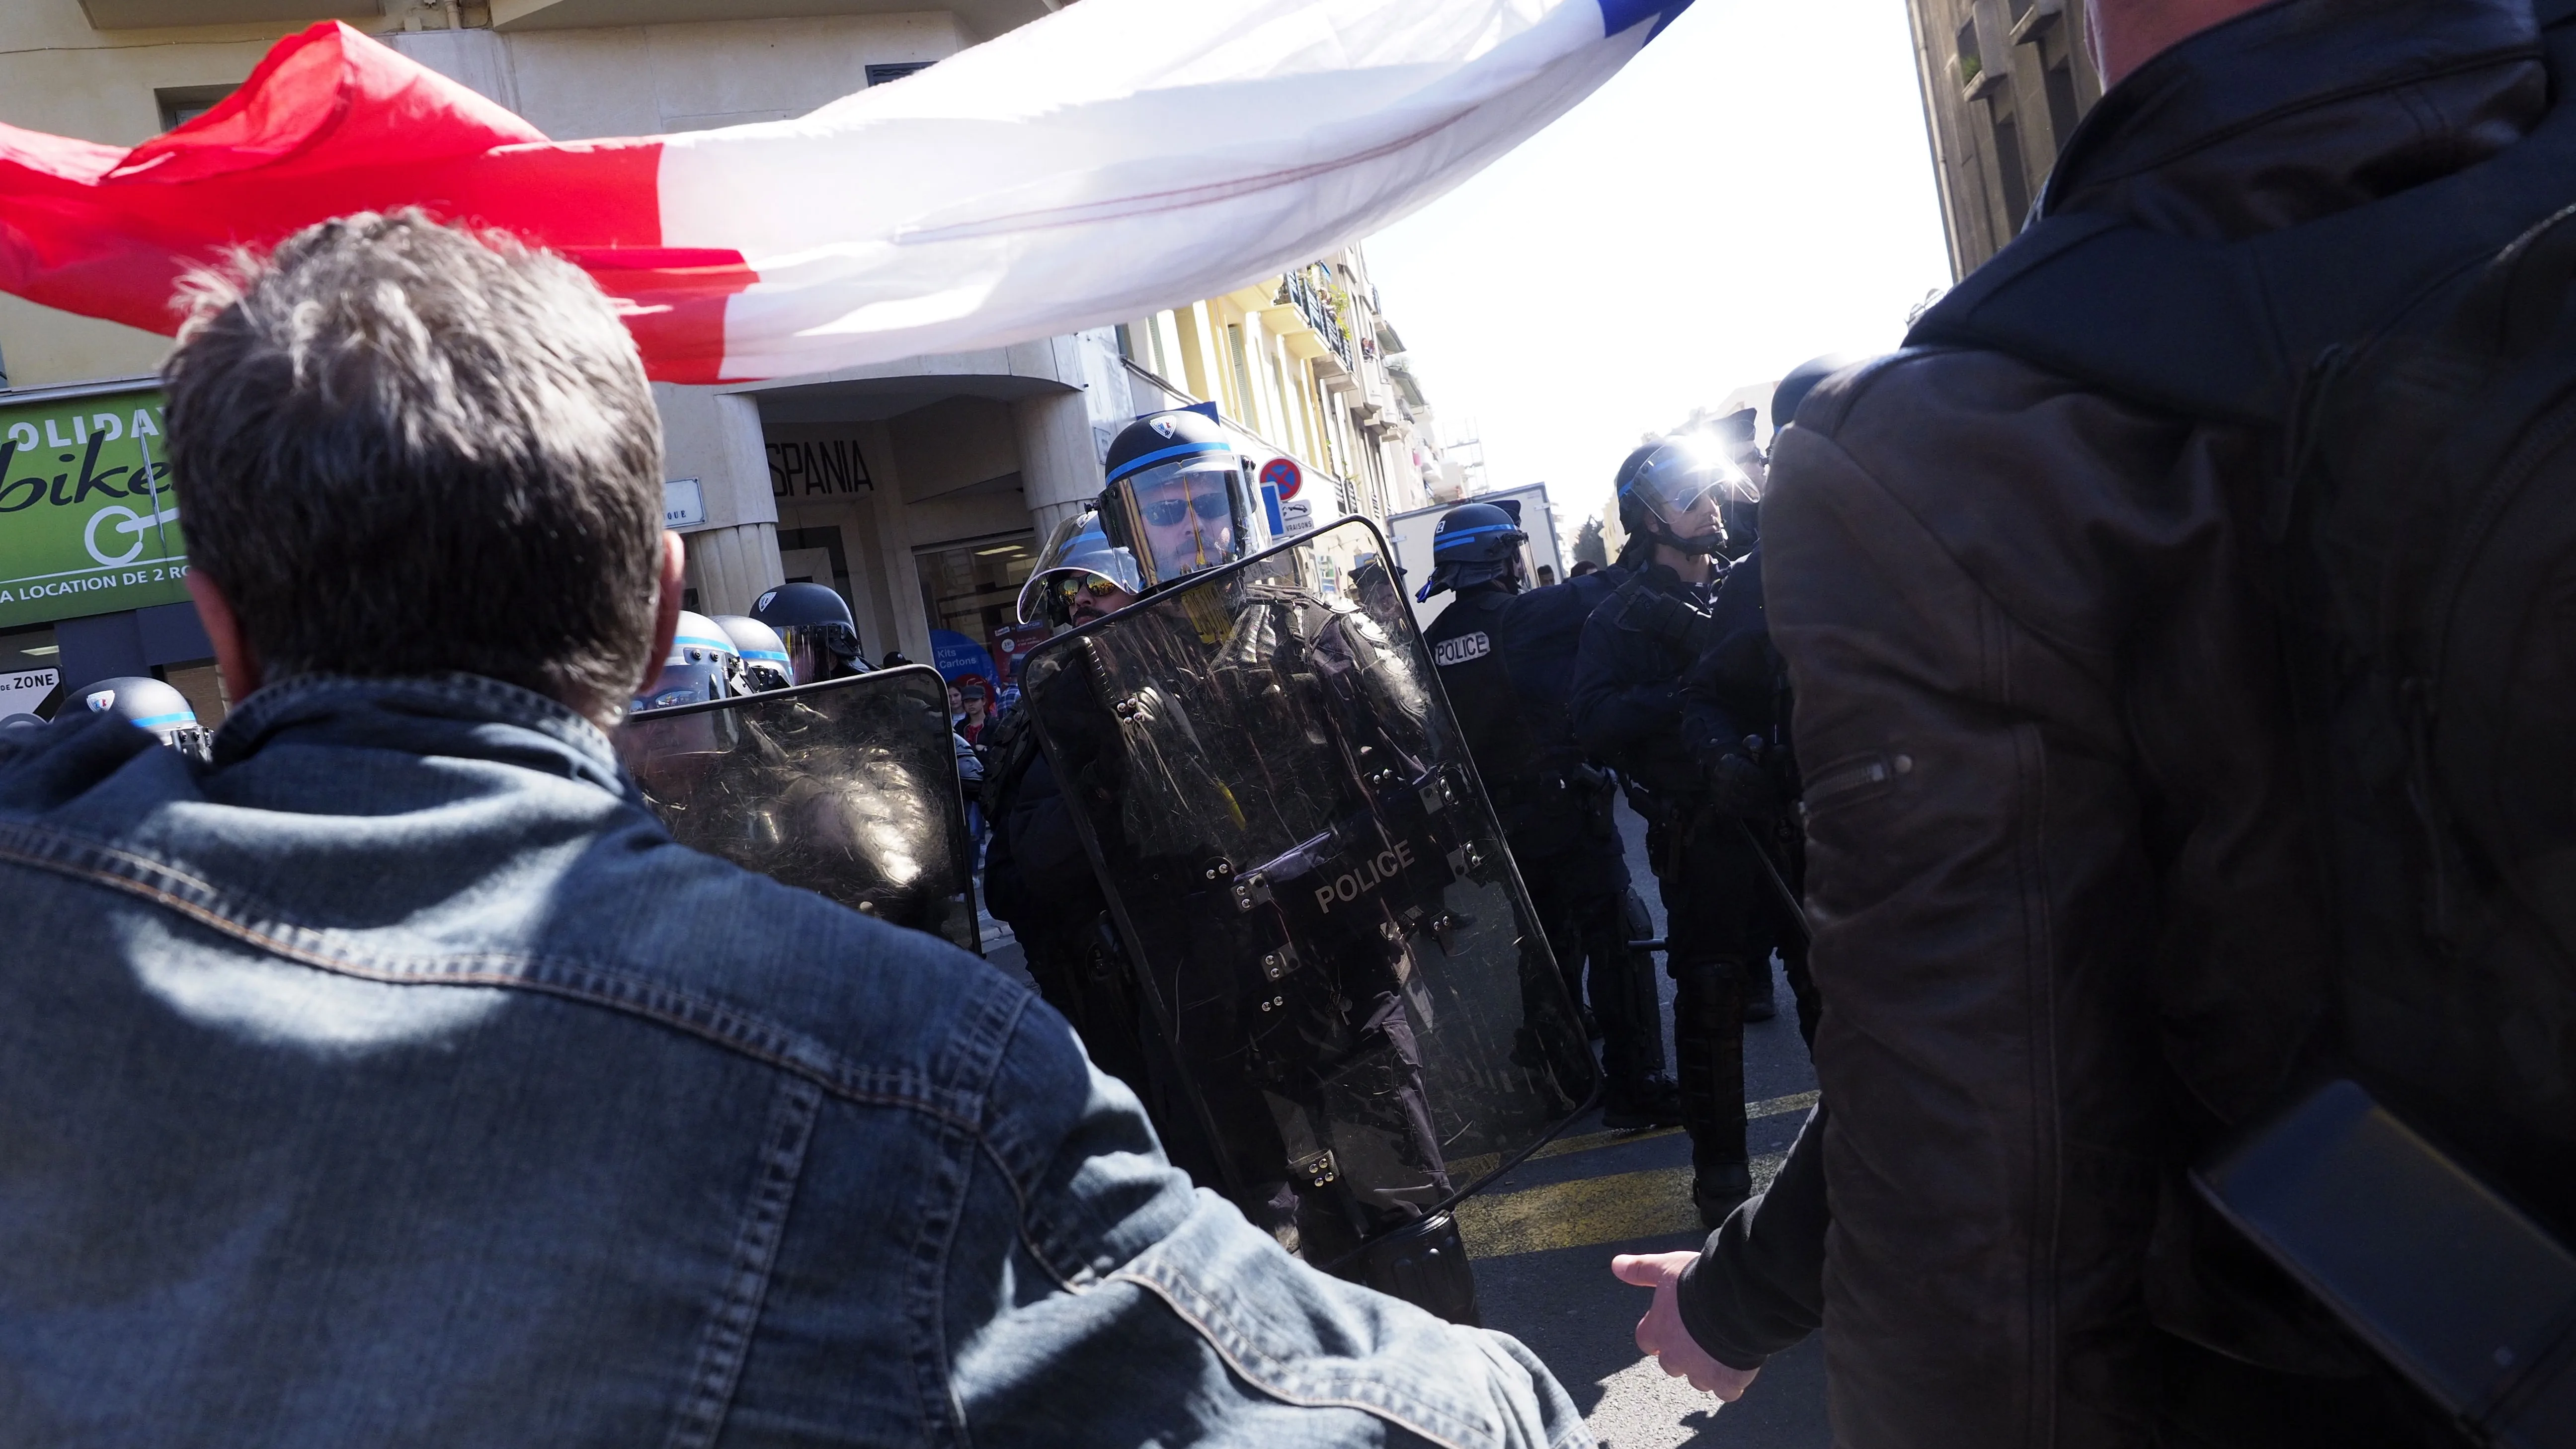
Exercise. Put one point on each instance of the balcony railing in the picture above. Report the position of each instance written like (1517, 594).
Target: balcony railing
(1310, 291)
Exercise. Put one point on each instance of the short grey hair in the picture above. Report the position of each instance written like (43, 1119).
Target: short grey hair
(403, 448)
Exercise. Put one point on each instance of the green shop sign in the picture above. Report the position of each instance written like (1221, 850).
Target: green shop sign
(88, 522)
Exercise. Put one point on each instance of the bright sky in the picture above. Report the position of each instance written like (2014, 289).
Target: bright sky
(1753, 190)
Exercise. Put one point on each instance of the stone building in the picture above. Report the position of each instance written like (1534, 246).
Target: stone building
(2004, 82)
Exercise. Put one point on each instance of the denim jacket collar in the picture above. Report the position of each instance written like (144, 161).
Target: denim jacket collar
(462, 715)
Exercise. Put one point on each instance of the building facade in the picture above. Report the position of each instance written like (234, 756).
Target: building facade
(920, 489)
(2004, 82)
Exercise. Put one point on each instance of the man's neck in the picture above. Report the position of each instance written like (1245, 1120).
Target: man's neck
(1694, 568)
(2127, 34)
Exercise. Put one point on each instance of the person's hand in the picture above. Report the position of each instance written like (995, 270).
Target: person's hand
(1660, 1334)
(1741, 786)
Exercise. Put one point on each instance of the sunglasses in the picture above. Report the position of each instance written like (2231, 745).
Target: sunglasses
(1072, 590)
(1164, 512)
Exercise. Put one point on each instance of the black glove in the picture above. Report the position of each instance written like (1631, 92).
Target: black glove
(1740, 786)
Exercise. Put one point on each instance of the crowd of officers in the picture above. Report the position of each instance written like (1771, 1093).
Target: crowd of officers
(1654, 676)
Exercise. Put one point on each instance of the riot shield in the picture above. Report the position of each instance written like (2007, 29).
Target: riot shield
(847, 788)
(1323, 918)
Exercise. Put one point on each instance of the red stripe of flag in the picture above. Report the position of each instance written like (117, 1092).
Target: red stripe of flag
(330, 123)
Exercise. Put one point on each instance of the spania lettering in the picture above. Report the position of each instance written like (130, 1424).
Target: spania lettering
(1373, 872)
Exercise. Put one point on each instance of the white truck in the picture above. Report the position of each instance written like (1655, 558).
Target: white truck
(1411, 535)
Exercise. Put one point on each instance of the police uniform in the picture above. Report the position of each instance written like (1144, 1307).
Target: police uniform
(1626, 706)
(1573, 858)
(1738, 690)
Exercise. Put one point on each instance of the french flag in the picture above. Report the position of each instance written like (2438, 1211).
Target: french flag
(1110, 160)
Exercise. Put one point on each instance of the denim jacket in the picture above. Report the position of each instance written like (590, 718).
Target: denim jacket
(398, 1080)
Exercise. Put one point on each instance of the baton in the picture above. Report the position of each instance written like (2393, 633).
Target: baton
(1779, 886)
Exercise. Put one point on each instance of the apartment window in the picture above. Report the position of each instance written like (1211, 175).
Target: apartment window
(1971, 64)
(879, 74)
(182, 104)
(2008, 165)
(2063, 111)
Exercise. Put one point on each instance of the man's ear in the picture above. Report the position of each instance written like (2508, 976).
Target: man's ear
(235, 660)
(666, 612)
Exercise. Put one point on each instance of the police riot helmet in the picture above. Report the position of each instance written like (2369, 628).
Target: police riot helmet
(153, 707)
(815, 626)
(1672, 495)
(1078, 562)
(1178, 498)
(702, 665)
(765, 664)
(1476, 543)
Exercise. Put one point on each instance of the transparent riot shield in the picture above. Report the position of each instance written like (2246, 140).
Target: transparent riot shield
(847, 788)
(1352, 984)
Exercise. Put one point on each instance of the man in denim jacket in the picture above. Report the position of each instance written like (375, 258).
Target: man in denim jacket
(398, 1080)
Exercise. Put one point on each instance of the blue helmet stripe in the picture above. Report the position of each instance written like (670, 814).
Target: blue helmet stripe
(163, 721)
(769, 654)
(1461, 535)
(1178, 451)
(722, 646)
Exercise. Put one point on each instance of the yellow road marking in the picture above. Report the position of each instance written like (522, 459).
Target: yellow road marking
(1590, 1210)
(1468, 1169)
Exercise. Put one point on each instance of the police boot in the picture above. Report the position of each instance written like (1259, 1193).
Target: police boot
(1708, 1046)
(1639, 1103)
(1758, 1005)
(1641, 1094)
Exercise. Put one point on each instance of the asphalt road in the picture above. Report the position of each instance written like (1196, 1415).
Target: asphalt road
(1543, 1236)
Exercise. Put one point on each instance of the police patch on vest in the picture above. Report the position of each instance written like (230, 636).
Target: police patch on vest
(1461, 649)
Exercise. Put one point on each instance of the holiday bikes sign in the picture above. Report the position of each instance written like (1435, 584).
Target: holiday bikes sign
(88, 521)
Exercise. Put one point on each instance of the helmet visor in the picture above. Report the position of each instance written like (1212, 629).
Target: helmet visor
(692, 683)
(1686, 481)
(1186, 515)
(820, 651)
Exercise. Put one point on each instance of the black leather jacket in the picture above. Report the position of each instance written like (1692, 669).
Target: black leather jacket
(2069, 932)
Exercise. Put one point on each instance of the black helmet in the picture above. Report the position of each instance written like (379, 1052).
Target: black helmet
(765, 665)
(1178, 500)
(1476, 543)
(1801, 381)
(151, 706)
(814, 624)
(1659, 493)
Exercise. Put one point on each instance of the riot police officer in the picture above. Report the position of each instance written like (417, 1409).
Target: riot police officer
(1626, 706)
(1735, 708)
(1280, 811)
(1555, 808)
(153, 707)
(1037, 878)
(815, 625)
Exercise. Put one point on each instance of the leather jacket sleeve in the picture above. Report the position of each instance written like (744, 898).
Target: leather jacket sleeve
(1758, 1287)
(1983, 899)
